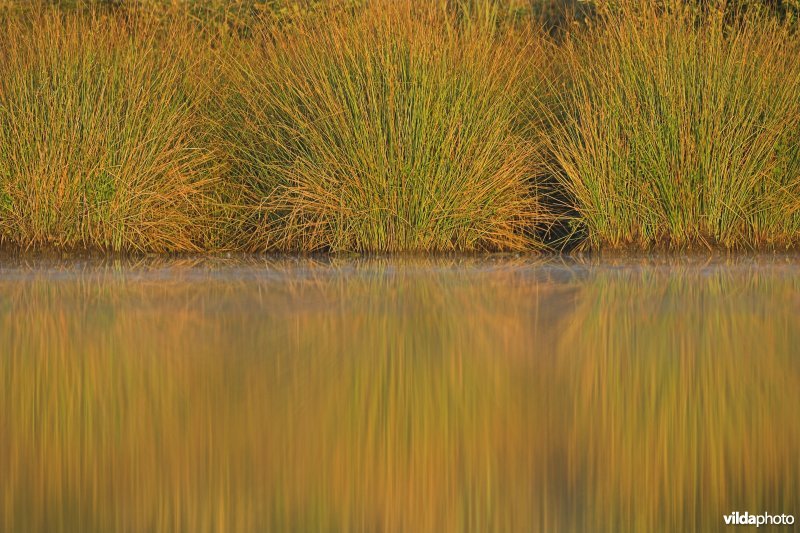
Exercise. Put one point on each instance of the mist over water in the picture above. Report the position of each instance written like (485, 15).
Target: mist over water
(450, 394)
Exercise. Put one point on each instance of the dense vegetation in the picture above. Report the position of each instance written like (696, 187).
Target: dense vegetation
(386, 126)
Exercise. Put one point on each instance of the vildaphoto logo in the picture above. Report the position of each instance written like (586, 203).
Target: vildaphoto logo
(764, 519)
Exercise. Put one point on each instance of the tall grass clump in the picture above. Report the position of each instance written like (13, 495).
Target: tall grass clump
(100, 135)
(679, 127)
(388, 128)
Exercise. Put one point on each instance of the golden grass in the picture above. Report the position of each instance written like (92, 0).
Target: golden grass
(680, 129)
(406, 126)
(392, 130)
(101, 138)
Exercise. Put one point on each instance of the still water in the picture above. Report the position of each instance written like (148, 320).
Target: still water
(468, 394)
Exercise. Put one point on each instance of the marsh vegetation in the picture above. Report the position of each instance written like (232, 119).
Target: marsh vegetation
(385, 126)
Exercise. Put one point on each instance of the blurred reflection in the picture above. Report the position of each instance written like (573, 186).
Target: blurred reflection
(455, 394)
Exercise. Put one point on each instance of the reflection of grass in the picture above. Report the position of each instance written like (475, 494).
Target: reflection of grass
(684, 429)
(504, 397)
(204, 442)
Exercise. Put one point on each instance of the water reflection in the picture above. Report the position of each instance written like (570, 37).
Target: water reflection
(456, 394)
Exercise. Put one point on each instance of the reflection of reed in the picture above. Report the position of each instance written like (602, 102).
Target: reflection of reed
(685, 386)
(285, 394)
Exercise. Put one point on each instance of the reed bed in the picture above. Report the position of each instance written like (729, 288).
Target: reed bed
(403, 127)
(392, 130)
(101, 144)
(678, 127)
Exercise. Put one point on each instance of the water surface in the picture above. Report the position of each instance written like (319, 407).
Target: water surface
(469, 394)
